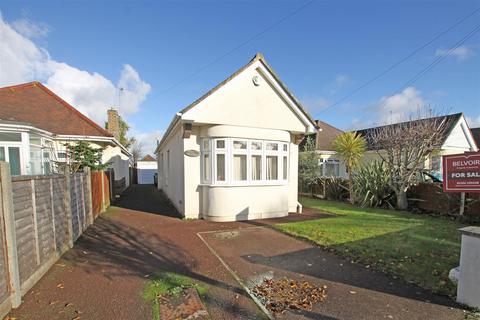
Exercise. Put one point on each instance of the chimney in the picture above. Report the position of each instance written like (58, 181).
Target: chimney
(113, 124)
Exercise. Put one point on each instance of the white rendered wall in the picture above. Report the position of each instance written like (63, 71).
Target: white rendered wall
(230, 203)
(174, 185)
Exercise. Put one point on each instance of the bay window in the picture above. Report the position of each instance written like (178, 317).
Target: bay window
(236, 161)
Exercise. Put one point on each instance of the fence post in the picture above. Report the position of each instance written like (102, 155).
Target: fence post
(102, 175)
(89, 196)
(35, 221)
(68, 208)
(10, 237)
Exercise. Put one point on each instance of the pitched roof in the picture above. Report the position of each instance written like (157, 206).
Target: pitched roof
(476, 135)
(257, 57)
(450, 119)
(324, 137)
(35, 104)
(261, 58)
(148, 158)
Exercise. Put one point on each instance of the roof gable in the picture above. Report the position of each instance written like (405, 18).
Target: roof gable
(239, 101)
(35, 104)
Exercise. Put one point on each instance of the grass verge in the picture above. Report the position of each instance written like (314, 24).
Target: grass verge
(169, 283)
(416, 248)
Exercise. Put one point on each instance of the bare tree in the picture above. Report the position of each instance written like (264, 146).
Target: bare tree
(136, 148)
(404, 148)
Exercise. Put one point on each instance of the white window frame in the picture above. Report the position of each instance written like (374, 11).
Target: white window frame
(244, 152)
(229, 153)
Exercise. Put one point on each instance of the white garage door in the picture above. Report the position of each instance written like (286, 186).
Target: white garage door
(145, 176)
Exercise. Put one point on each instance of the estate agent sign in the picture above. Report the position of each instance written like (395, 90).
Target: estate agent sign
(461, 172)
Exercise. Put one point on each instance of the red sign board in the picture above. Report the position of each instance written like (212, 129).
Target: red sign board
(461, 172)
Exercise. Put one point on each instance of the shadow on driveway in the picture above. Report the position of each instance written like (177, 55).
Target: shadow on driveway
(147, 198)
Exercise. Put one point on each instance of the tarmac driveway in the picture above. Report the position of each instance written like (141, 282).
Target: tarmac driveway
(353, 291)
(104, 275)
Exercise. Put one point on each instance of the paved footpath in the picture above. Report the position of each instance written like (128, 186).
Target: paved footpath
(104, 275)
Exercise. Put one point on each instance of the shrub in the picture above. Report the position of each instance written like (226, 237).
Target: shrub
(371, 186)
(336, 189)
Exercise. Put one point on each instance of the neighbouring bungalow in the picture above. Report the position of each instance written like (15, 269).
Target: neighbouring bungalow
(233, 153)
(476, 135)
(35, 125)
(146, 169)
(457, 139)
(329, 164)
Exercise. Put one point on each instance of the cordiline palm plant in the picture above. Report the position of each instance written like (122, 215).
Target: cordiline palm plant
(350, 146)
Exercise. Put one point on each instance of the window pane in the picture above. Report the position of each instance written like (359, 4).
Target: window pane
(285, 168)
(240, 144)
(220, 144)
(35, 160)
(62, 155)
(272, 146)
(331, 169)
(272, 168)
(46, 162)
(220, 167)
(256, 145)
(2, 154)
(34, 139)
(285, 147)
(206, 167)
(14, 160)
(10, 136)
(240, 167)
(256, 167)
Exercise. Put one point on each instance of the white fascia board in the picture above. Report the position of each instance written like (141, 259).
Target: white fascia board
(171, 128)
(24, 128)
(293, 105)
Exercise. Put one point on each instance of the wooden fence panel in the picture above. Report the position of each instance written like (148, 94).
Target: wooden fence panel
(60, 214)
(24, 228)
(43, 216)
(107, 183)
(96, 193)
(45, 231)
(74, 208)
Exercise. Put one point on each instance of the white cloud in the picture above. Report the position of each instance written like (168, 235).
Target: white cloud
(461, 53)
(399, 106)
(30, 29)
(148, 140)
(473, 122)
(21, 60)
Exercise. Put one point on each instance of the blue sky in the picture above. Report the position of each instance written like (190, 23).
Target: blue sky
(322, 53)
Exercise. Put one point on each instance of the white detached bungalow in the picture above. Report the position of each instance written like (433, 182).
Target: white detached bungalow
(233, 153)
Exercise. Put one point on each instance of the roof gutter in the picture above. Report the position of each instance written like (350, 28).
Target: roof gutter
(173, 123)
(94, 138)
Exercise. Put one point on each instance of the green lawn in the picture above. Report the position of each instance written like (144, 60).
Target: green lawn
(416, 248)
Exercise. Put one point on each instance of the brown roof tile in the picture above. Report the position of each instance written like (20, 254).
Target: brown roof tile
(148, 158)
(35, 104)
(324, 137)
